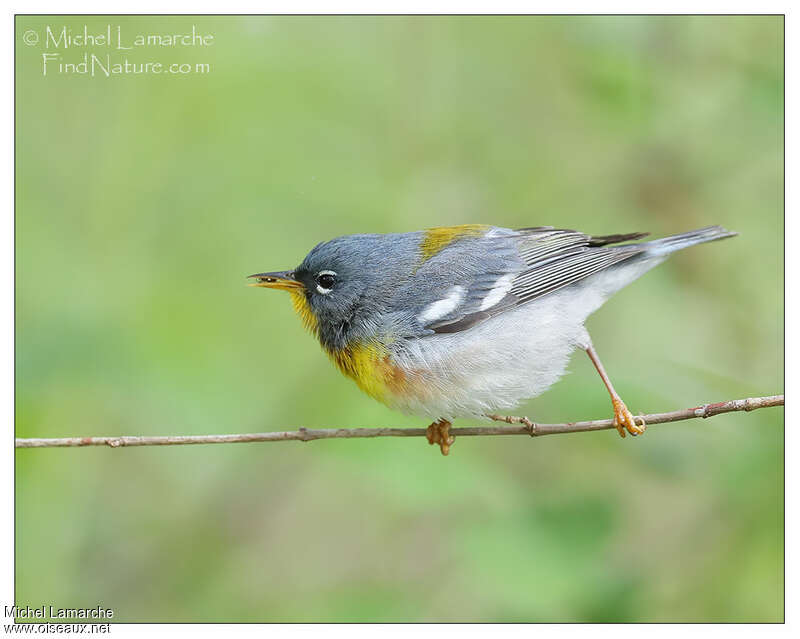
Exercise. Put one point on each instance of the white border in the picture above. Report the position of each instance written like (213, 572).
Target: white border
(499, 6)
(409, 6)
(7, 319)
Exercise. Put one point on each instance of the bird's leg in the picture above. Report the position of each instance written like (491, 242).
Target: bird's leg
(623, 418)
(439, 433)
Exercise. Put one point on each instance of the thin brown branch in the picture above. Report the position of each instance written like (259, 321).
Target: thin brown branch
(308, 434)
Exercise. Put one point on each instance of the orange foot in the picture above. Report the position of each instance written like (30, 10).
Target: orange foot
(439, 433)
(624, 419)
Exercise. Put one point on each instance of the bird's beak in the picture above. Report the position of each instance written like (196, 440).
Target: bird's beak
(283, 280)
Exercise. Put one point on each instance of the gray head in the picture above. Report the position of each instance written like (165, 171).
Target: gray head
(346, 284)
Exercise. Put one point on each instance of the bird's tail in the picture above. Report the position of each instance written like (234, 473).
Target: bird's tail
(667, 245)
(649, 254)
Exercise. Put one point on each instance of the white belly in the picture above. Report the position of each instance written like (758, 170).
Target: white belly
(490, 367)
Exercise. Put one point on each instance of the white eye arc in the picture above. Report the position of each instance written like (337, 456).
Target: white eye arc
(325, 281)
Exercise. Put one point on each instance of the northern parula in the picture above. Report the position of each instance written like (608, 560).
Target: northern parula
(466, 320)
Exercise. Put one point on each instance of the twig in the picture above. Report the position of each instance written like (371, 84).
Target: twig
(307, 434)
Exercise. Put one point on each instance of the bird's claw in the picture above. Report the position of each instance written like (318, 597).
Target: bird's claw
(439, 433)
(624, 419)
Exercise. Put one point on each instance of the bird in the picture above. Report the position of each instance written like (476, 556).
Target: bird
(468, 320)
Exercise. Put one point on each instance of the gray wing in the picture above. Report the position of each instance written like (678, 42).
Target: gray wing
(521, 266)
(557, 258)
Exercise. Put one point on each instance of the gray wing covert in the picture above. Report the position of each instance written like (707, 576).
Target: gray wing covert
(453, 289)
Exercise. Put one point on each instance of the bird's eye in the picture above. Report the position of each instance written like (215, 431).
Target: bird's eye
(325, 281)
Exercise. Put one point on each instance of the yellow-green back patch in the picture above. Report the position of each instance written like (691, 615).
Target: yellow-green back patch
(439, 237)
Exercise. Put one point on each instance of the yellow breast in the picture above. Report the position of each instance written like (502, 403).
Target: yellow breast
(371, 367)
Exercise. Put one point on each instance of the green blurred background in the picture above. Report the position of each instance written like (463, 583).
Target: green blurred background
(143, 201)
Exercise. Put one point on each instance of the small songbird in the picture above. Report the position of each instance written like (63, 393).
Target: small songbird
(467, 320)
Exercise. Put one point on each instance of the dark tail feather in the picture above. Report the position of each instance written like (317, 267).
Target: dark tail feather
(602, 240)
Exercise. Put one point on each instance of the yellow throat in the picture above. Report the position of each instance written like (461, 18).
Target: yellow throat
(367, 363)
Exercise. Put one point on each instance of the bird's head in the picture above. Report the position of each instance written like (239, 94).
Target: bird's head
(340, 287)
